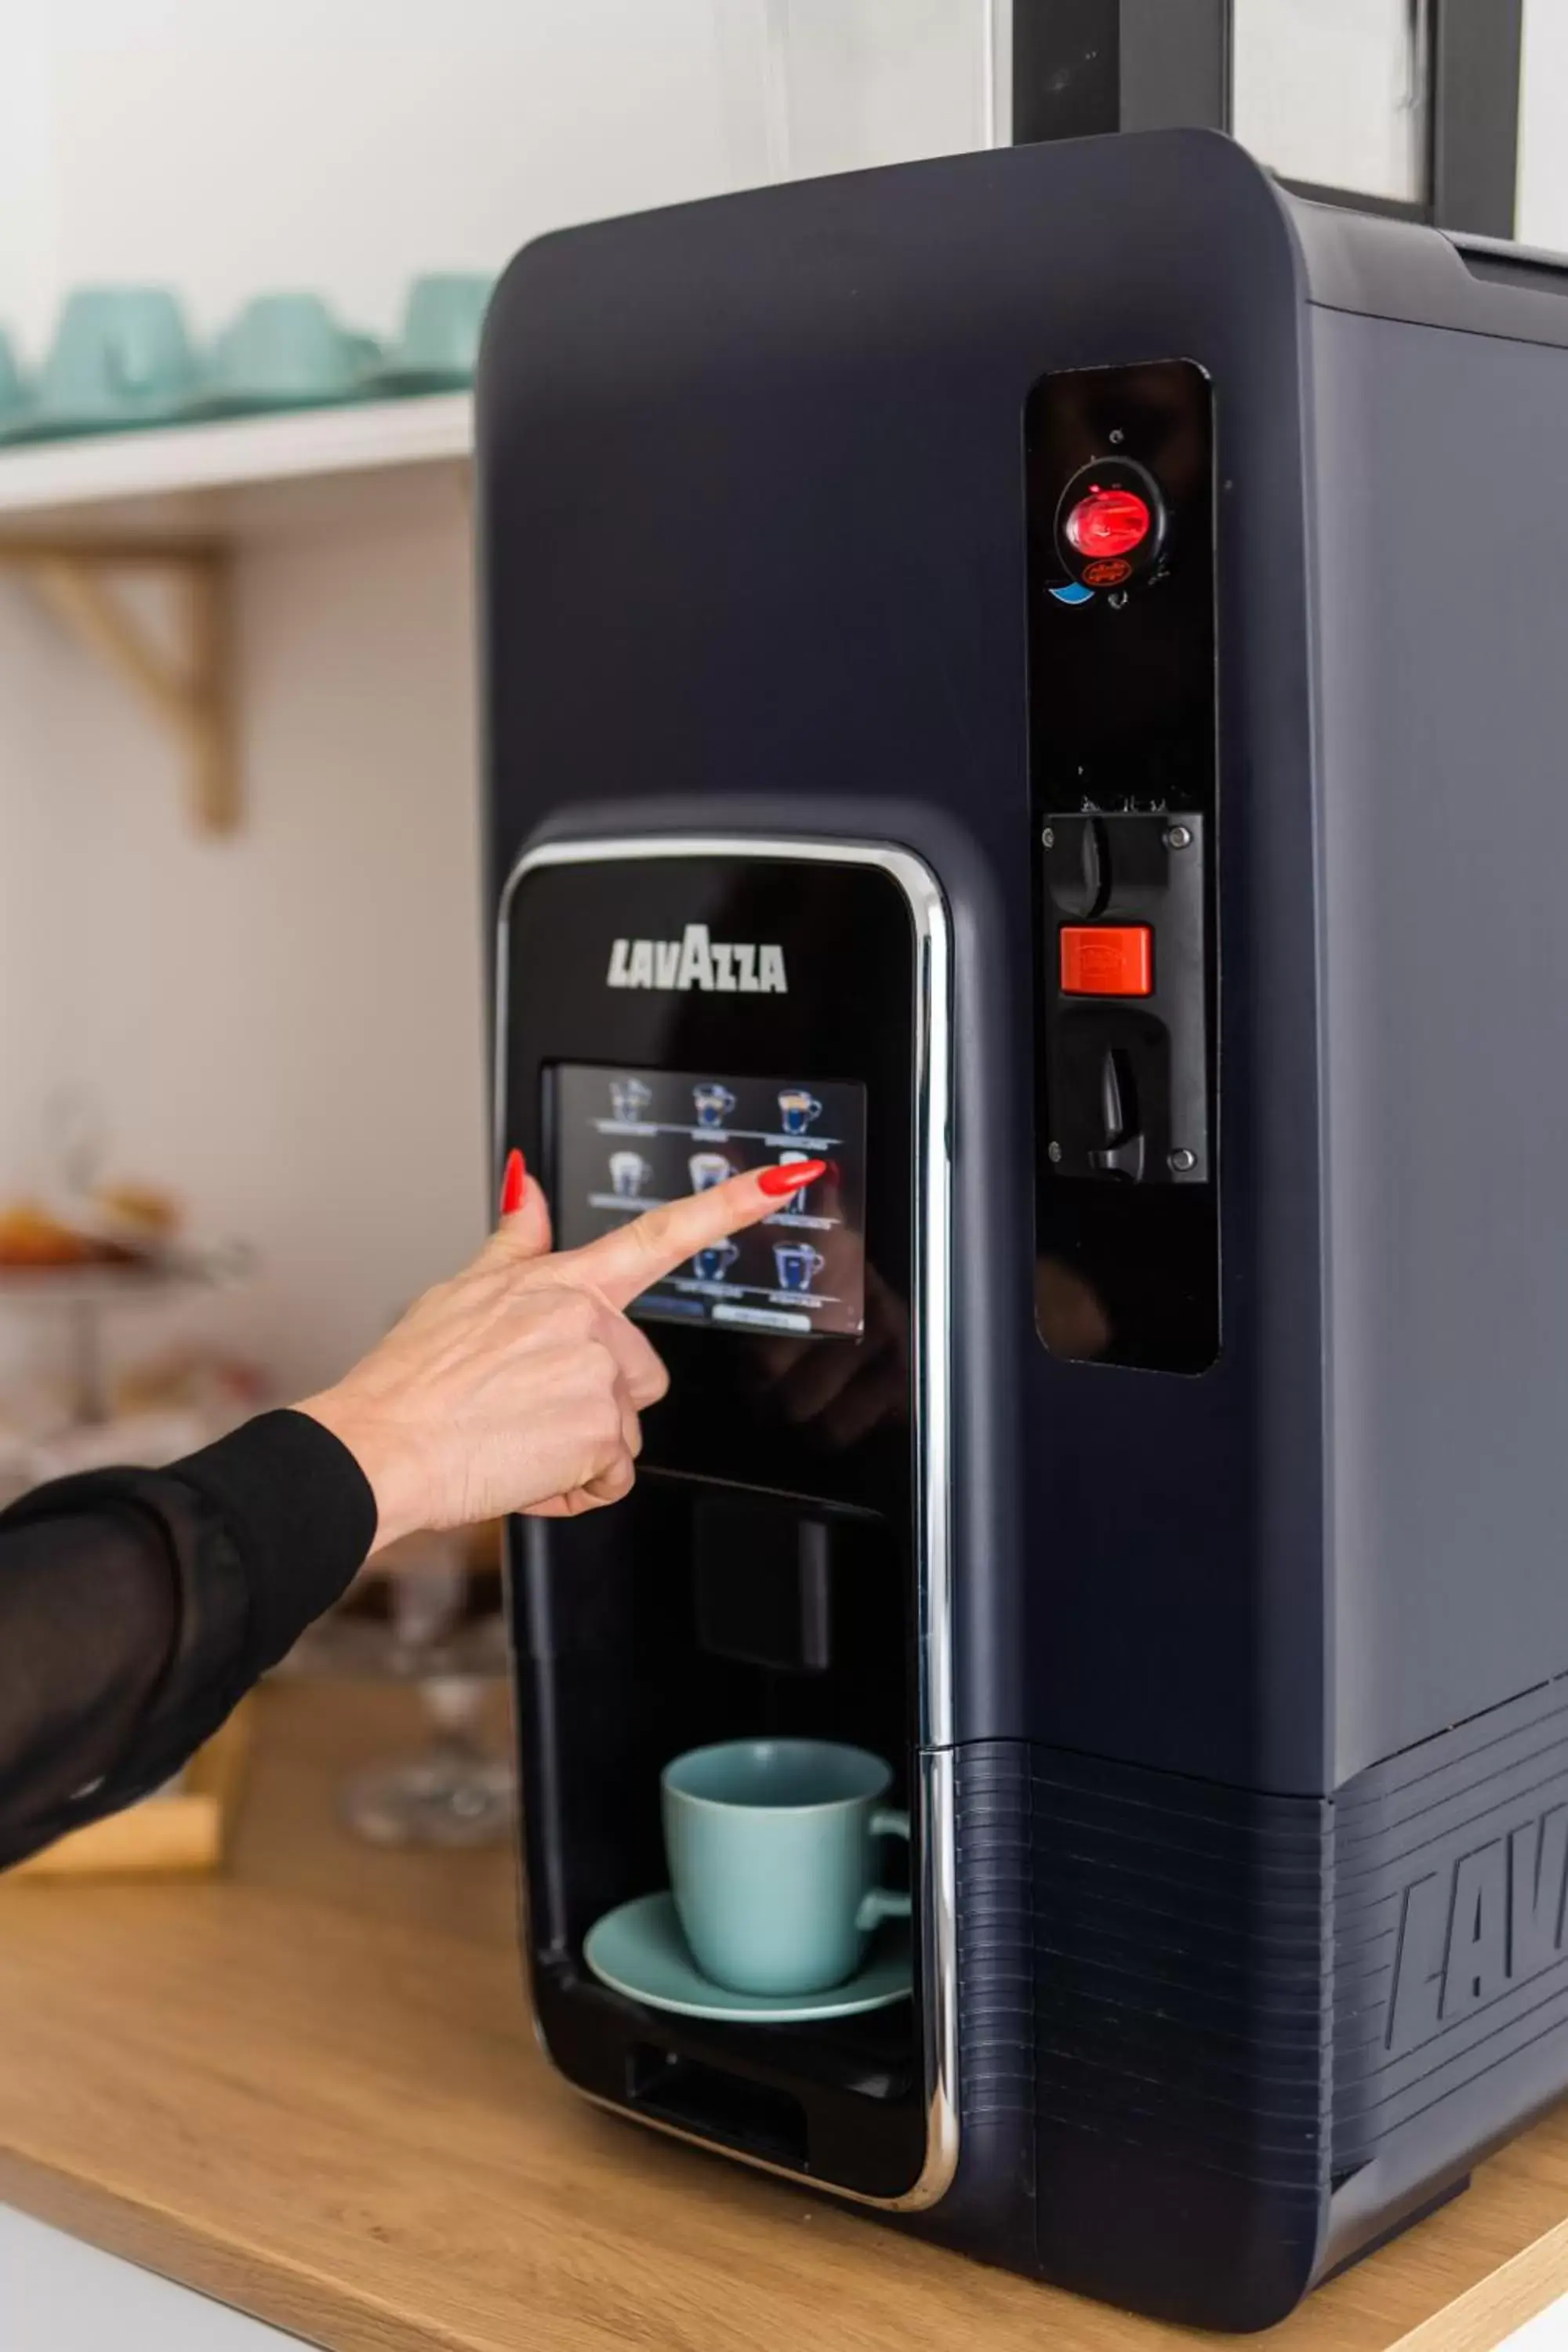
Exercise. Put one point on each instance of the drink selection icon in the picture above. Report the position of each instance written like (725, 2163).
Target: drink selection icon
(630, 1173)
(708, 1168)
(714, 1264)
(796, 1204)
(629, 1100)
(799, 1265)
(798, 1110)
(712, 1103)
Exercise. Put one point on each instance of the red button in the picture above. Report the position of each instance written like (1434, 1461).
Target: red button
(1108, 959)
(1109, 522)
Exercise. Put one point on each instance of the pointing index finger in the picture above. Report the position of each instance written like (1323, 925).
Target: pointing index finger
(623, 1265)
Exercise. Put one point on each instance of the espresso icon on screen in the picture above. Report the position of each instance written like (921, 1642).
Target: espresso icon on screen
(799, 1265)
(712, 1104)
(707, 1168)
(798, 1110)
(628, 1099)
(712, 1265)
(629, 1171)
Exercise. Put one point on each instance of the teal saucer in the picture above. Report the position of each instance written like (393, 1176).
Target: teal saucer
(638, 1948)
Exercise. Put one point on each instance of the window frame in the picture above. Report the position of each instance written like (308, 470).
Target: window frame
(1081, 67)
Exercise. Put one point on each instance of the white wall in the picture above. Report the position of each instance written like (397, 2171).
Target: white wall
(286, 1026)
(1543, 127)
(341, 144)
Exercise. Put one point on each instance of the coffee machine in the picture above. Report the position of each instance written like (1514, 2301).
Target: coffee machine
(1048, 660)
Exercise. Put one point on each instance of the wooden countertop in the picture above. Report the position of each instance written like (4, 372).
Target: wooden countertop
(311, 2090)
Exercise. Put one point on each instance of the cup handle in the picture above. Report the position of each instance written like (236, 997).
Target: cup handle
(881, 1902)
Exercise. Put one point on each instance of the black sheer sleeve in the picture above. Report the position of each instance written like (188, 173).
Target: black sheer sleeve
(138, 1606)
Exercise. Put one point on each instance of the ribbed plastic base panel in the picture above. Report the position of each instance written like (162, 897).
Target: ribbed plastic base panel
(1145, 2033)
(1186, 2011)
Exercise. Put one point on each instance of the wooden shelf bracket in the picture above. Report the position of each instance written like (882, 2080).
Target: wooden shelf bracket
(190, 696)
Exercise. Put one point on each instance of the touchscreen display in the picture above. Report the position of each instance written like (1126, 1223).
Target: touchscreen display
(626, 1140)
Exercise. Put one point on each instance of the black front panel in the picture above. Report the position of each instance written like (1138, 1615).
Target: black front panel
(665, 1018)
(826, 1418)
(1122, 693)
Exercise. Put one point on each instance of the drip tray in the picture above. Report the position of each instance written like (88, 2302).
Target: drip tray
(712, 2104)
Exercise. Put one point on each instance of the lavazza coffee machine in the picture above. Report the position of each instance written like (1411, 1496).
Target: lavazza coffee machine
(1054, 662)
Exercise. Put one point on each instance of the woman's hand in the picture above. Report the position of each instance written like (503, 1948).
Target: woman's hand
(517, 1385)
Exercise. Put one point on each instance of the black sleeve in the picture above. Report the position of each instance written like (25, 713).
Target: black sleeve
(138, 1606)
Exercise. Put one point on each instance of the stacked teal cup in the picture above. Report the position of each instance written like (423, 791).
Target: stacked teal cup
(287, 351)
(438, 345)
(15, 401)
(122, 356)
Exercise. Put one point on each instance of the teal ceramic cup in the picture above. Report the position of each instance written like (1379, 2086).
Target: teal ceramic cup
(773, 1850)
(13, 383)
(441, 327)
(118, 352)
(287, 351)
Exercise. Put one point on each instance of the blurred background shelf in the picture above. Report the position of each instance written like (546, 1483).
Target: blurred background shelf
(118, 1285)
(193, 484)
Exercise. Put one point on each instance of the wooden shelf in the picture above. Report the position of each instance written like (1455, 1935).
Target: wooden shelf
(197, 483)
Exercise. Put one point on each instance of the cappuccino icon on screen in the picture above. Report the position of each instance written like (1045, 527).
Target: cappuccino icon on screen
(712, 1104)
(707, 1168)
(628, 1099)
(798, 1110)
(629, 1171)
(799, 1265)
(712, 1265)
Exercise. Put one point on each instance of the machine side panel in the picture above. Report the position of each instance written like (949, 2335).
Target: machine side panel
(1392, 270)
(1442, 576)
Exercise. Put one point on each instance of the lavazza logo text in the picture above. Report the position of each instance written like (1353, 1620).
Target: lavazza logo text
(727, 967)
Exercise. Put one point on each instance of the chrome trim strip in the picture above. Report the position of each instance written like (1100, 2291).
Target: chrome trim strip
(930, 1435)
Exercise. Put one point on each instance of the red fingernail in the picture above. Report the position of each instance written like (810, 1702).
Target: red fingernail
(790, 1176)
(513, 1183)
